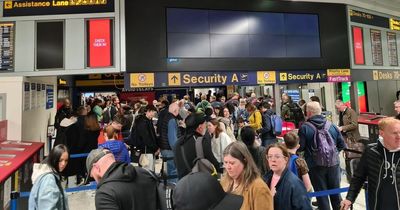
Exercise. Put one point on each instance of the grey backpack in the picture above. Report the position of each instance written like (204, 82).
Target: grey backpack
(201, 164)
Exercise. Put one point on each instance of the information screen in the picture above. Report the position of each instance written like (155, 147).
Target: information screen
(376, 47)
(392, 47)
(358, 46)
(50, 45)
(99, 43)
(6, 46)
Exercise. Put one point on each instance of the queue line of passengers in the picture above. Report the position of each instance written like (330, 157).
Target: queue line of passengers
(241, 171)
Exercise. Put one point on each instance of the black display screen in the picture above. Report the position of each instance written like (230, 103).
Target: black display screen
(216, 33)
(50, 45)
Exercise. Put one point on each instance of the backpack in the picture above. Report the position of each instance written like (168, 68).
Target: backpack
(164, 191)
(323, 148)
(106, 115)
(201, 164)
(276, 123)
(132, 139)
(296, 113)
(292, 165)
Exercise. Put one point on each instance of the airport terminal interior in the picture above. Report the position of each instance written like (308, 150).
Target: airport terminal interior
(63, 61)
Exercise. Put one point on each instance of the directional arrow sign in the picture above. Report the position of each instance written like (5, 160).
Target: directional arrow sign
(174, 79)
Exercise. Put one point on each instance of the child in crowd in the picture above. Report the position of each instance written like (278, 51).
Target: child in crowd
(118, 148)
(299, 167)
(241, 124)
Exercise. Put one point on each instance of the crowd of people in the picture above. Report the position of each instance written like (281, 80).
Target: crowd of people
(231, 141)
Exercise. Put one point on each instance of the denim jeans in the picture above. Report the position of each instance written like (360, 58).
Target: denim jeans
(325, 178)
(171, 168)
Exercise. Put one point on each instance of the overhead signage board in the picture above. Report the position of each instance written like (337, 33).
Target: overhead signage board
(207, 79)
(339, 75)
(56, 7)
(302, 76)
(374, 75)
(368, 19)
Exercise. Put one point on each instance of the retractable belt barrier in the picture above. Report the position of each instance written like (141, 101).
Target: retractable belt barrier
(92, 186)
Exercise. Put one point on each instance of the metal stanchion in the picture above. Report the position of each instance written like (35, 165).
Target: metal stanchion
(366, 195)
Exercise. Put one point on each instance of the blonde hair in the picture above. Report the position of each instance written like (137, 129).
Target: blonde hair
(385, 122)
(250, 171)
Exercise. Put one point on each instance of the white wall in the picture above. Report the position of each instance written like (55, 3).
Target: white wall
(330, 97)
(12, 87)
(35, 121)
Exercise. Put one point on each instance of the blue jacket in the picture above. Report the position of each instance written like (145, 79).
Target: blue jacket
(118, 149)
(290, 192)
(46, 195)
(267, 130)
(306, 134)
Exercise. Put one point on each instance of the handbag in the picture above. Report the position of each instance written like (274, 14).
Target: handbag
(144, 160)
(354, 149)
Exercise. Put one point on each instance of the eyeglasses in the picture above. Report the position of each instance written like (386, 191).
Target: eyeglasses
(270, 157)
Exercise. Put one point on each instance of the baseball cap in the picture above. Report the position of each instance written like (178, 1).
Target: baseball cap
(195, 119)
(94, 156)
(199, 191)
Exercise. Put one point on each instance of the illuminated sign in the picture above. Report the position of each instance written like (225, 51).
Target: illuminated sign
(369, 19)
(394, 24)
(99, 43)
(338, 75)
(211, 78)
(53, 7)
(302, 76)
(358, 46)
(6, 46)
(62, 81)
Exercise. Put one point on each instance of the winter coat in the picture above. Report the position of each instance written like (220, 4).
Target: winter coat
(306, 134)
(371, 168)
(266, 131)
(256, 196)
(290, 192)
(146, 134)
(125, 187)
(189, 144)
(350, 124)
(165, 131)
(118, 149)
(46, 192)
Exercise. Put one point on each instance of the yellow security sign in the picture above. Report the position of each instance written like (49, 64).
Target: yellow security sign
(283, 76)
(375, 75)
(142, 80)
(174, 79)
(266, 77)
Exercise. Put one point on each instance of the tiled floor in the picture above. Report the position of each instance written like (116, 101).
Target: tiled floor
(85, 199)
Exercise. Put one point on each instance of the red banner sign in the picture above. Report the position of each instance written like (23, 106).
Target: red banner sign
(99, 50)
(358, 46)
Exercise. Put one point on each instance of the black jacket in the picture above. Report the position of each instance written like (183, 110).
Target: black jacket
(163, 142)
(146, 134)
(125, 187)
(266, 131)
(290, 192)
(60, 115)
(188, 142)
(371, 169)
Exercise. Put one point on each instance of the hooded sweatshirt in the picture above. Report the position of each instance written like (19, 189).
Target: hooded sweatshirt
(306, 134)
(126, 187)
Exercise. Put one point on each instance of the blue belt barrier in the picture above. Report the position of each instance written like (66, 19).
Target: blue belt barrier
(78, 155)
(328, 192)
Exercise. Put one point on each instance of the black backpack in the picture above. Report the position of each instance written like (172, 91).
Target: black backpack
(296, 114)
(201, 164)
(164, 191)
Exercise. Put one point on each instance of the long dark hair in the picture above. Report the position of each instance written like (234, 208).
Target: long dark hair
(54, 157)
